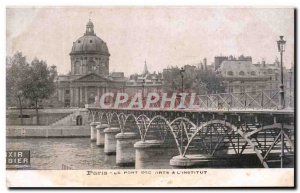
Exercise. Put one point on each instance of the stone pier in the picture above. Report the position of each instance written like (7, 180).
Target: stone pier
(110, 140)
(125, 152)
(100, 134)
(93, 131)
(188, 161)
(147, 152)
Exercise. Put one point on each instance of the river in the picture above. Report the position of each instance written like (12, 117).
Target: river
(75, 153)
(81, 154)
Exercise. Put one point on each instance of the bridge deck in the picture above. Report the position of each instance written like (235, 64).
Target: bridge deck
(221, 111)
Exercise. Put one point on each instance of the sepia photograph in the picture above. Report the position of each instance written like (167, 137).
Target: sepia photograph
(150, 96)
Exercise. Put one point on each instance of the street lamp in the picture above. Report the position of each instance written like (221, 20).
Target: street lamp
(19, 95)
(281, 49)
(143, 86)
(181, 74)
(179, 96)
(291, 74)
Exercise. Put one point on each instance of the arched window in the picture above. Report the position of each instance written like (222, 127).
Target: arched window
(79, 120)
(230, 73)
(242, 73)
(253, 73)
(91, 66)
(77, 68)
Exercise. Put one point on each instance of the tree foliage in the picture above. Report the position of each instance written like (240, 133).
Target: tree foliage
(34, 81)
(16, 72)
(199, 80)
(39, 84)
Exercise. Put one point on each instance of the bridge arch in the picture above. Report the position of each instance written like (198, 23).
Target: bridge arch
(168, 127)
(131, 118)
(247, 136)
(114, 120)
(104, 119)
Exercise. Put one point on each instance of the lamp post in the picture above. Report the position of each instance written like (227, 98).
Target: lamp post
(281, 49)
(181, 74)
(20, 93)
(181, 106)
(291, 74)
(143, 87)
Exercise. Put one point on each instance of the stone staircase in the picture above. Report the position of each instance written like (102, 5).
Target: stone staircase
(70, 119)
(67, 120)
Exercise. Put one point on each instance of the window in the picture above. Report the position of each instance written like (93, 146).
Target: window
(230, 73)
(242, 73)
(91, 41)
(270, 71)
(67, 91)
(79, 120)
(79, 41)
(77, 68)
(67, 103)
(91, 66)
(253, 73)
(276, 76)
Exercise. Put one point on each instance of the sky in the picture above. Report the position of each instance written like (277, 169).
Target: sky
(163, 36)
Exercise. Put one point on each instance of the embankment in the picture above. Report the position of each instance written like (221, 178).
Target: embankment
(17, 131)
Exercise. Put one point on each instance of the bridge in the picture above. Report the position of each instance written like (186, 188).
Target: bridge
(216, 127)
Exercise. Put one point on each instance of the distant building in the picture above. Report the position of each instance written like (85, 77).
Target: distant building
(145, 82)
(241, 75)
(89, 76)
(218, 61)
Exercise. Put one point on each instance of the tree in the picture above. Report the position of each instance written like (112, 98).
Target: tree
(199, 80)
(39, 83)
(16, 72)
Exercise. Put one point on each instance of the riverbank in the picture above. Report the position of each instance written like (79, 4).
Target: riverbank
(46, 116)
(17, 131)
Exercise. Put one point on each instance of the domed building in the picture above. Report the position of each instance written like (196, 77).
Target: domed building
(89, 76)
(89, 54)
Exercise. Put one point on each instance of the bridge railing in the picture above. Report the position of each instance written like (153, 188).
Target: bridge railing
(254, 100)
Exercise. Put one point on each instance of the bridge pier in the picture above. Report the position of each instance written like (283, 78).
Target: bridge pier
(93, 131)
(110, 140)
(125, 152)
(187, 161)
(147, 152)
(100, 134)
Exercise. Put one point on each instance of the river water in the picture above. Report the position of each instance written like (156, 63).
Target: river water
(81, 154)
(75, 153)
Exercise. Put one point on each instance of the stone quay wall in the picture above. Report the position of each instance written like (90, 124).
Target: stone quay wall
(17, 131)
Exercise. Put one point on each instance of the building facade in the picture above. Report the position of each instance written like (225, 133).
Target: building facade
(241, 75)
(89, 77)
(145, 83)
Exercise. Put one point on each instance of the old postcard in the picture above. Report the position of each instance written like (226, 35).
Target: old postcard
(150, 97)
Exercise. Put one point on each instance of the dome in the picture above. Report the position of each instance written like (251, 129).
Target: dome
(89, 43)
